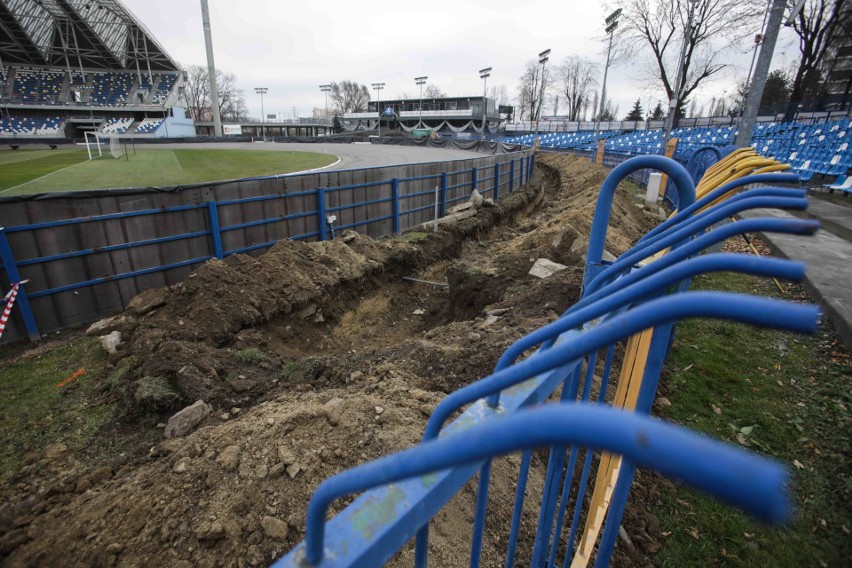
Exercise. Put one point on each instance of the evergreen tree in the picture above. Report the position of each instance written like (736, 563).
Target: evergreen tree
(635, 112)
(336, 125)
(658, 113)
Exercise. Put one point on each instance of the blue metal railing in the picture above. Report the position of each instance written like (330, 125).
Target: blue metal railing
(404, 491)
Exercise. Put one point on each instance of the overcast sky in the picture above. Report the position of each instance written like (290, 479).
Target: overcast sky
(293, 47)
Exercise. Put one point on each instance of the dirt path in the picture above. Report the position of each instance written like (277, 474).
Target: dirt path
(314, 358)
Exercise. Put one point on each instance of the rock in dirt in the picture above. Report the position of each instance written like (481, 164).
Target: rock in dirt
(106, 326)
(476, 198)
(461, 207)
(293, 470)
(148, 300)
(111, 341)
(275, 529)
(347, 236)
(307, 311)
(182, 465)
(490, 320)
(333, 409)
(229, 459)
(186, 420)
(544, 268)
(210, 531)
(88, 481)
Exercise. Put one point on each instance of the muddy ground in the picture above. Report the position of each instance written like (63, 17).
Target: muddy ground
(313, 357)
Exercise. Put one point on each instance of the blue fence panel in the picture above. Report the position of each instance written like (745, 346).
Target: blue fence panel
(619, 300)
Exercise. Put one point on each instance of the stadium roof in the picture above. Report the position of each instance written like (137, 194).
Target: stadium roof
(78, 33)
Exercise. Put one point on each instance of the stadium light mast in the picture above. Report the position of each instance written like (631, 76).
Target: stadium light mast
(611, 22)
(484, 74)
(420, 81)
(325, 89)
(675, 100)
(211, 70)
(761, 70)
(542, 58)
(378, 87)
(262, 91)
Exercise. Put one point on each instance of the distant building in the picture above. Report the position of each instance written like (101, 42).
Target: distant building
(447, 114)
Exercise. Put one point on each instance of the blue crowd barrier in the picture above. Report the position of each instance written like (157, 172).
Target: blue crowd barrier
(626, 302)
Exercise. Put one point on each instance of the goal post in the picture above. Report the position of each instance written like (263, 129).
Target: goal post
(99, 145)
(93, 145)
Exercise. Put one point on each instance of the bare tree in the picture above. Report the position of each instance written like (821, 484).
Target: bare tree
(232, 103)
(349, 96)
(433, 92)
(576, 75)
(653, 31)
(530, 87)
(500, 94)
(819, 25)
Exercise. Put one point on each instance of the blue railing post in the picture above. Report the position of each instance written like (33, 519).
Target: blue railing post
(321, 220)
(215, 233)
(521, 177)
(395, 191)
(444, 183)
(473, 180)
(14, 276)
(532, 166)
(496, 181)
(512, 175)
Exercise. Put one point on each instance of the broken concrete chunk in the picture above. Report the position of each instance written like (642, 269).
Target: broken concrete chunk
(111, 342)
(148, 300)
(108, 325)
(476, 198)
(186, 420)
(460, 207)
(544, 268)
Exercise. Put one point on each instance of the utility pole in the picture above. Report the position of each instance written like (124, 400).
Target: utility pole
(542, 58)
(378, 87)
(674, 102)
(611, 23)
(761, 72)
(484, 74)
(262, 91)
(421, 81)
(211, 70)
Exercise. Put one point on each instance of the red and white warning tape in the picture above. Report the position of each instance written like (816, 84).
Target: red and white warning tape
(10, 301)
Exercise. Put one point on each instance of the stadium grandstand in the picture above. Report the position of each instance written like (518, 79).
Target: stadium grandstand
(811, 148)
(72, 66)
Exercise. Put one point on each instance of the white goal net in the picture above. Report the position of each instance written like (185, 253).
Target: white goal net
(101, 145)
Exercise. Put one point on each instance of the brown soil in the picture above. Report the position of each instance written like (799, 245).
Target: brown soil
(315, 357)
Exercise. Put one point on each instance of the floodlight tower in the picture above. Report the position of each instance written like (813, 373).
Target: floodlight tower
(421, 81)
(211, 70)
(542, 58)
(325, 89)
(378, 87)
(484, 74)
(262, 91)
(611, 22)
(675, 100)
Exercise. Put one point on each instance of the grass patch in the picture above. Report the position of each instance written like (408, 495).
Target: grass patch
(22, 166)
(415, 236)
(34, 412)
(777, 393)
(149, 166)
(252, 356)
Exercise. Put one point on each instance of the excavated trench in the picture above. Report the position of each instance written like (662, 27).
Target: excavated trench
(314, 357)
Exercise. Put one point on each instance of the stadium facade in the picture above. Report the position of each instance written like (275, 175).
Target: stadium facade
(71, 66)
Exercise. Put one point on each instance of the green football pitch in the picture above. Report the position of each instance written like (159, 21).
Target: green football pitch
(40, 171)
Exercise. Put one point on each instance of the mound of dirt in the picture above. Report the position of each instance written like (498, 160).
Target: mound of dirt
(314, 357)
